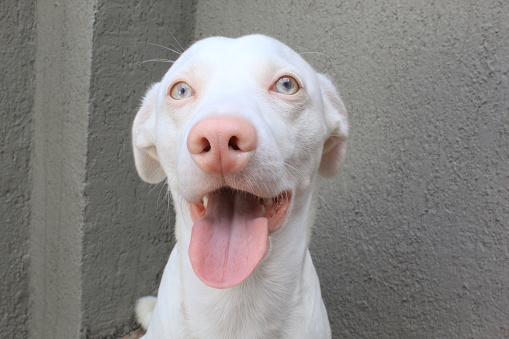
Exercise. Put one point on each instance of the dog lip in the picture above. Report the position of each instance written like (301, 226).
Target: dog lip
(275, 208)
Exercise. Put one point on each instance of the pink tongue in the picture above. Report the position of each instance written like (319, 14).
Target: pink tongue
(232, 238)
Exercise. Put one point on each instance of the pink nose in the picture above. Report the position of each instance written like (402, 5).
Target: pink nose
(222, 145)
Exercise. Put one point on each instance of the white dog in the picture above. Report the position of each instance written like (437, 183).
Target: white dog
(239, 128)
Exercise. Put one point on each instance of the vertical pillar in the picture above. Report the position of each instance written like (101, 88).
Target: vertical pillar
(61, 113)
(99, 237)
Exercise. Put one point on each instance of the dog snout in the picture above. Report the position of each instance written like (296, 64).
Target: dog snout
(222, 145)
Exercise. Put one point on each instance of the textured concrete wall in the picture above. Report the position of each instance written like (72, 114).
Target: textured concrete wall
(128, 229)
(17, 55)
(412, 239)
(61, 111)
(99, 238)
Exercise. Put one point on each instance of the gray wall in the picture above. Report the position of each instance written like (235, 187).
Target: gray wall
(412, 238)
(17, 55)
(128, 224)
(79, 232)
(96, 230)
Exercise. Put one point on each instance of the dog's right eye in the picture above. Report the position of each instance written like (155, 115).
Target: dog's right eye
(181, 90)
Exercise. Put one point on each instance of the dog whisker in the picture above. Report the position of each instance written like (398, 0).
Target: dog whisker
(155, 60)
(168, 205)
(182, 205)
(153, 188)
(288, 166)
(163, 186)
(173, 50)
(250, 183)
(319, 53)
(178, 43)
(157, 173)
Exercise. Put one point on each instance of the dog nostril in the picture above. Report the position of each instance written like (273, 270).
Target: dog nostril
(205, 145)
(233, 143)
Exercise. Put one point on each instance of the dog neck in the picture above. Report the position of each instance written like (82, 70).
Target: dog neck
(271, 293)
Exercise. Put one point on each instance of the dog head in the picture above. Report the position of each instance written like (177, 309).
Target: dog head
(238, 127)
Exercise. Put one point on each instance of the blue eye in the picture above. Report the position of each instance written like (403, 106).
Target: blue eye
(181, 90)
(286, 85)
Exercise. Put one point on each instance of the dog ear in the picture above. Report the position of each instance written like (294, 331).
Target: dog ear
(145, 153)
(336, 120)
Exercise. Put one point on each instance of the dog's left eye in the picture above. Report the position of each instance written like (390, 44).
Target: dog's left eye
(181, 90)
(286, 85)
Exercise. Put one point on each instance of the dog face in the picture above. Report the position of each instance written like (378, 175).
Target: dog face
(238, 127)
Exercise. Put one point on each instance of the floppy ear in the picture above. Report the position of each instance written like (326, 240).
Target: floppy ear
(145, 153)
(336, 120)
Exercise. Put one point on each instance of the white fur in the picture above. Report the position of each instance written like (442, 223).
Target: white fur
(298, 136)
(144, 309)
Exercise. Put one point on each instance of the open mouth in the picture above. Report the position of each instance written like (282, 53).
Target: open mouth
(230, 234)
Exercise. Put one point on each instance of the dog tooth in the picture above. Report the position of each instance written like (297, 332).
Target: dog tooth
(263, 208)
(267, 201)
(205, 200)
